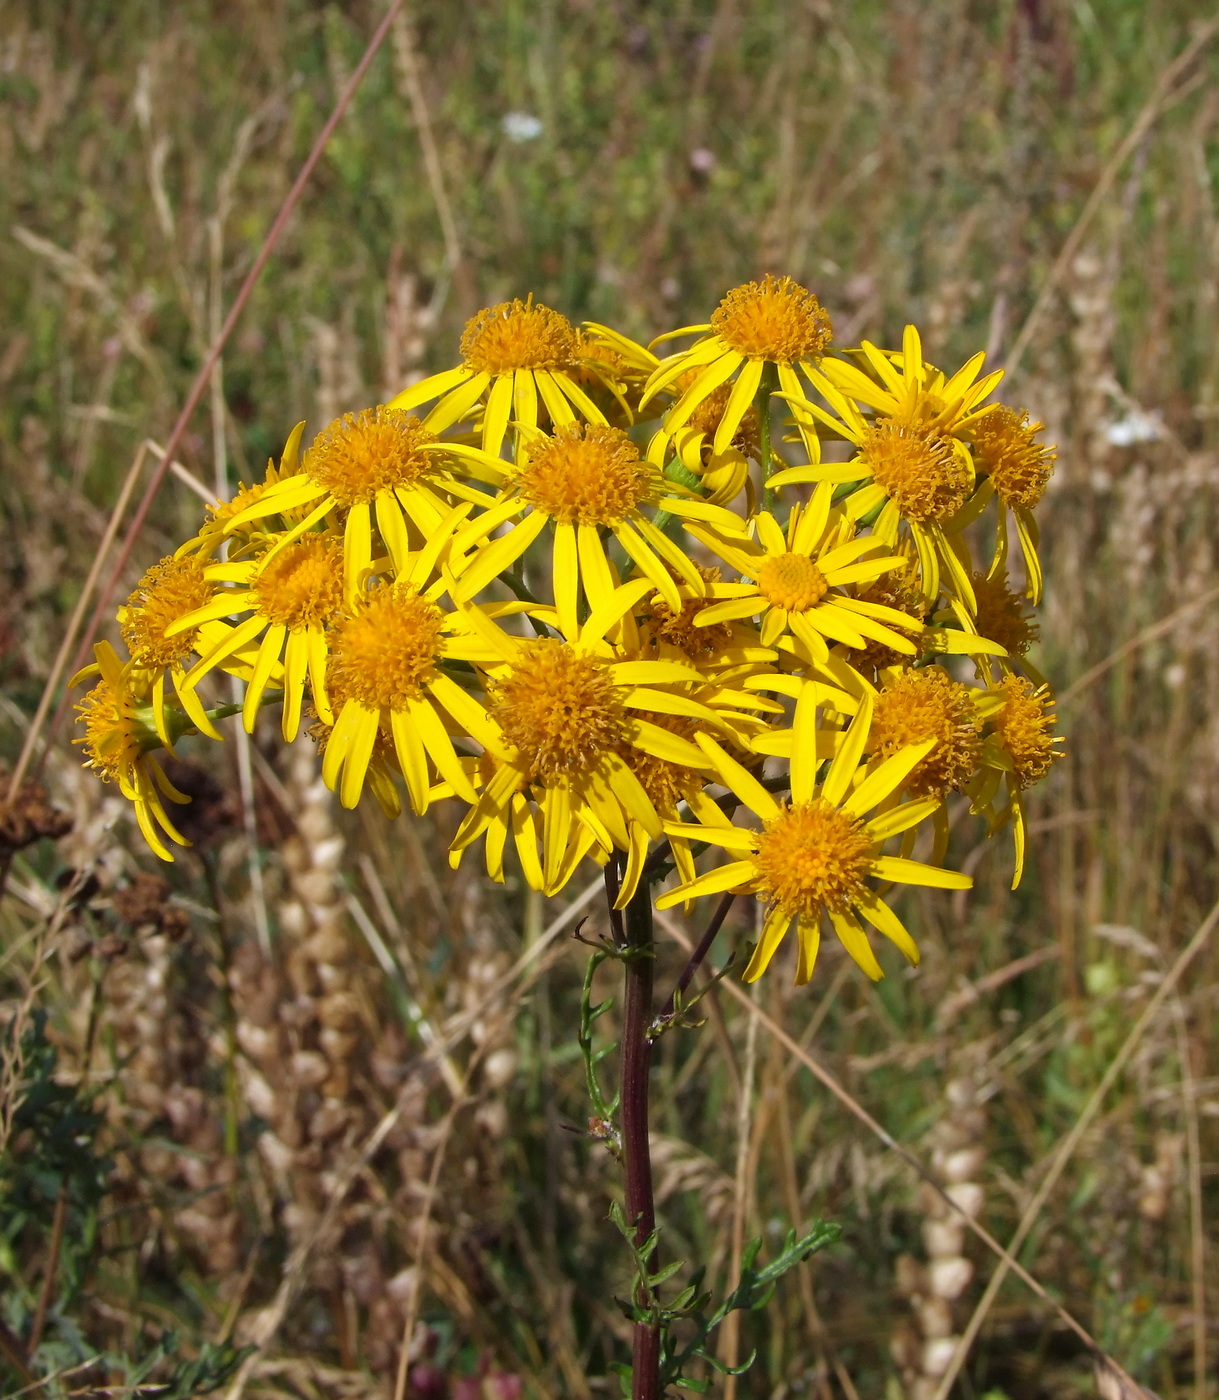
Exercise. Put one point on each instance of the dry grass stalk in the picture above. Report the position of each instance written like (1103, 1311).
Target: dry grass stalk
(958, 1158)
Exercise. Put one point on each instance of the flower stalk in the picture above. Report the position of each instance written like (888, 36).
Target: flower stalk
(638, 964)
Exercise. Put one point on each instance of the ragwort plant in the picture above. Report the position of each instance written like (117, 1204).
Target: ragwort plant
(733, 622)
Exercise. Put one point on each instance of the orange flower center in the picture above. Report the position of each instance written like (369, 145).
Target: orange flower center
(791, 581)
(381, 654)
(775, 319)
(558, 707)
(1001, 614)
(1005, 446)
(586, 473)
(363, 454)
(1023, 726)
(168, 591)
(518, 335)
(926, 703)
(813, 856)
(303, 583)
(922, 472)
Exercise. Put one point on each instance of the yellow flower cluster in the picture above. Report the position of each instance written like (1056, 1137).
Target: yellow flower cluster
(585, 592)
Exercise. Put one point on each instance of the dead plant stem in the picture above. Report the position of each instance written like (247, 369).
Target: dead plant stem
(1066, 1151)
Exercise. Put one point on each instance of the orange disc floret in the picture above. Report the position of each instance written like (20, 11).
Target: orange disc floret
(558, 707)
(1005, 447)
(169, 590)
(791, 581)
(921, 471)
(518, 335)
(360, 455)
(586, 473)
(926, 703)
(775, 319)
(813, 856)
(1023, 727)
(302, 585)
(1002, 616)
(678, 629)
(381, 653)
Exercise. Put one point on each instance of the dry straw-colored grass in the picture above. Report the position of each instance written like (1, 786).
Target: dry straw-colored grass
(341, 1100)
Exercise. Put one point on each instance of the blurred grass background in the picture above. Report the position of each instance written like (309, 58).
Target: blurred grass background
(240, 1041)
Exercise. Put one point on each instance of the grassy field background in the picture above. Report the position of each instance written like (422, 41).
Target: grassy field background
(1034, 175)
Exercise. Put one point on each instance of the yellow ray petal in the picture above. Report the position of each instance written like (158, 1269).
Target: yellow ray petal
(566, 578)
(358, 752)
(887, 777)
(723, 877)
(440, 748)
(268, 655)
(433, 387)
(855, 941)
(743, 393)
(913, 872)
(901, 818)
(775, 926)
(739, 779)
(498, 556)
(495, 417)
(412, 758)
(846, 760)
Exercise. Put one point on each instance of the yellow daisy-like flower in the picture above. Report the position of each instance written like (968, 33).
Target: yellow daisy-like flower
(387, 659)
(377, 463)
(585, 479)
(218, 529)
(566, 710)
(912, 456)
(1018, 751)
(515, 354)
(772, 322)
(1018, 469)
(120, 732)
(173, 589)
(293, 593)
(925, 703)
(814, 855)
(790, 580)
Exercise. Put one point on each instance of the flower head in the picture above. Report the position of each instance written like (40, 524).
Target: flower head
(1003, 614)
(361, 455)
(518, 335)
(775, 319)
(120, 733)
(813, 856)
(925, 474)
(1006, 449)
(558, 707)
(585, 474)
(1023, 728)
(167, 592)
(924, 703)
(520, 360)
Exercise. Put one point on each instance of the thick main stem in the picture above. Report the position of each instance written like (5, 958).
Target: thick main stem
(636, 1152)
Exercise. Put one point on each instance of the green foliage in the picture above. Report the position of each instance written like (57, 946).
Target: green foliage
(51, 1154)
(691, 1313)
(199, 1375)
